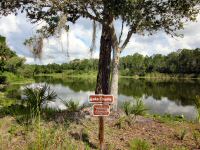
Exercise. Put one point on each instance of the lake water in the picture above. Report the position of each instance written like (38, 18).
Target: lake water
(176, 97)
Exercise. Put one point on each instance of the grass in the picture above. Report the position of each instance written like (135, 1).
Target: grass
(135, 109)
(139, 144)
(181, 135)
(71, 73)
(93, 74)
(17, 79)
(167, 118)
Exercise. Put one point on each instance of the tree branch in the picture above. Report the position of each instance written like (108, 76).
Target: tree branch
(130, 33)
(115, 42)
(122, 29)
(87, 14)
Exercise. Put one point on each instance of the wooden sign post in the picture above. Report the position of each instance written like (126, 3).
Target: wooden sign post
(101, 108)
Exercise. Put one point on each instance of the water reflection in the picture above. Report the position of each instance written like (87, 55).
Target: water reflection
(160, 96)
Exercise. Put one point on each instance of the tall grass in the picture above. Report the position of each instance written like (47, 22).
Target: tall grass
(197, 105)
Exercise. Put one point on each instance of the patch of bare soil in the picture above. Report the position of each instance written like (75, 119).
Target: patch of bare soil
(157, 134)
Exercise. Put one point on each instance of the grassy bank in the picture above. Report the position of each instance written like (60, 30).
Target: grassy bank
(16, 79)
(93, 74)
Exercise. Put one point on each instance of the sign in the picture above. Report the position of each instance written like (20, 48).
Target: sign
(101, 110)
(101, 99)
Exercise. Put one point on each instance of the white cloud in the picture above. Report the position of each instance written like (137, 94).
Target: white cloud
(163, 43)
(9, 24)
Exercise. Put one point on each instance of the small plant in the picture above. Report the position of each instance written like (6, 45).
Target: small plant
(197, 105)
(196, 137)
(73, 106)
(35, 97)
(138, 144)
(181, 135)
(120, 122)
(136, 109)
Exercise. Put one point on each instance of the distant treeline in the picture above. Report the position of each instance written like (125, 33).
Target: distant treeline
(183, 61)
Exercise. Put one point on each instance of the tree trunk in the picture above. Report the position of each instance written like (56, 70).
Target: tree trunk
(115, 77)
(103, 77)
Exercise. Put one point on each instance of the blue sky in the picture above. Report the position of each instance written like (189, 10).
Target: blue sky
(18, 28)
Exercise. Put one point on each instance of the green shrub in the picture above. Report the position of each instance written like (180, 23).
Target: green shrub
(13, 92)
(120, 122)
(35, 97)
(3, 79)
(136, 109)
(197, 105)
(138, 144)
(73, 106)
(196, 137)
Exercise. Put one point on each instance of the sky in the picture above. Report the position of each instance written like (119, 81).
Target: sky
(18, 28)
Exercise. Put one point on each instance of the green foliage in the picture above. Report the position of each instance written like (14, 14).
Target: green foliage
(197, 105)
(120, 122)
(9, 61)
(158, 66)
(5, 55)
(35, 97)
(13, 92)
(72, 106)
(14, 63)
(26, 71)
(2, 39)
(138, 144)
(196, 137)
(136, 109)
(3, 79)
(169, 118)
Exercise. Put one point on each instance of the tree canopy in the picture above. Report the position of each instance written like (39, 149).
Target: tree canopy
(9, 61)
(141, 16)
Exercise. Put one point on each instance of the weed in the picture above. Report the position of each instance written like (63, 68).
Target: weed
(136, 109)
(138, 144)
(196, 137)
(73, 106)
(120, 122)
(197, 105)
(181, 135)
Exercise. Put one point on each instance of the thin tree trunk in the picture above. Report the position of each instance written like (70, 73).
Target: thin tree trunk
(115, 77)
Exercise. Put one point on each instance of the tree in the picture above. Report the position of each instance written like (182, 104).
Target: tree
(14, 63)
(140, 16)
(5, 53)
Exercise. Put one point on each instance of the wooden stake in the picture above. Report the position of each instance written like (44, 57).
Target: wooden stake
(101, 132)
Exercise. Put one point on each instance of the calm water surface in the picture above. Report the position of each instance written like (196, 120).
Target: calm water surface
(174, 97)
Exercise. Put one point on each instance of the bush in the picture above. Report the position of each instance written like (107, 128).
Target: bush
(197, 105)
(72, 106)
(138, 144)
(136, 109)
(3, 79)
(36, 96)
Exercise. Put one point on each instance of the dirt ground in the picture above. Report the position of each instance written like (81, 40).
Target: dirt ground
(160, 135)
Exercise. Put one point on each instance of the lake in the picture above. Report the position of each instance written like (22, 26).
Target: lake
(176, 97)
